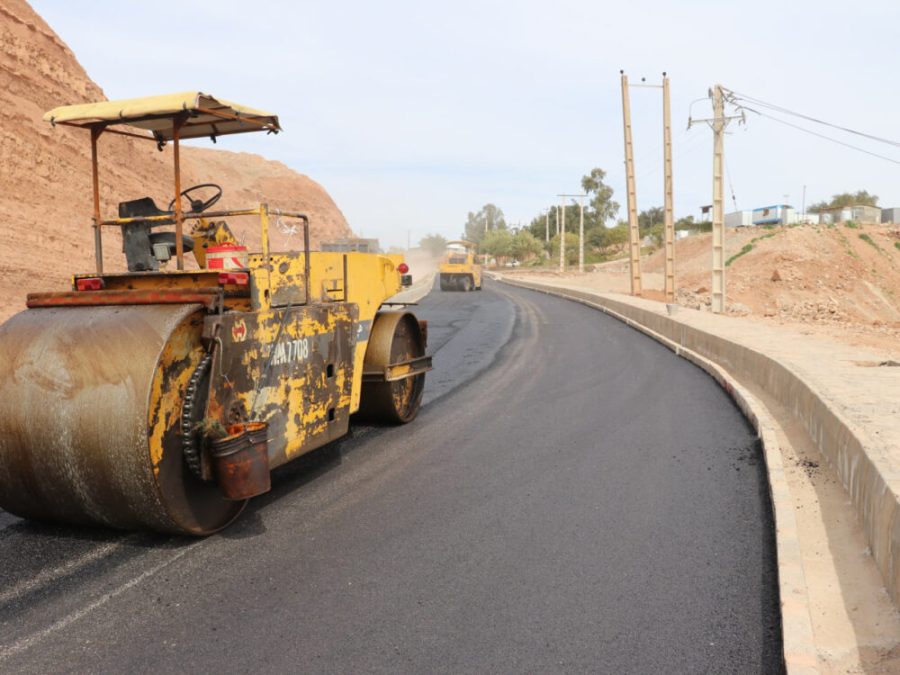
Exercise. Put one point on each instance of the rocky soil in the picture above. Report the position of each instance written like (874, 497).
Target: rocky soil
(45, 200)
(839, 281)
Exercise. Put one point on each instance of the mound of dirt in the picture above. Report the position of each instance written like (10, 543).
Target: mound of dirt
(838, 281)
(45, 204)
(816, 275)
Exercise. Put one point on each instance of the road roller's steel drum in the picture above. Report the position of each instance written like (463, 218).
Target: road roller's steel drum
(90, 404)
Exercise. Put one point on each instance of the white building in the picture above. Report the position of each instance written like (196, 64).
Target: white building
(777, 214)
(739, 219)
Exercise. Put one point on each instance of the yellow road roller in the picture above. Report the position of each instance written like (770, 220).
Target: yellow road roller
(460, 269)
(162, 397)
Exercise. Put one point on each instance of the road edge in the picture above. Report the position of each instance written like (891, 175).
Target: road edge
(800, 655)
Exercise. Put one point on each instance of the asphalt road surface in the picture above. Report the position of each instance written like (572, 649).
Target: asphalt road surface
(572, 498)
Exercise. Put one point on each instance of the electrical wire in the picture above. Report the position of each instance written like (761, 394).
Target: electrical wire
(735, 96)
(827, 138)
(730, 186)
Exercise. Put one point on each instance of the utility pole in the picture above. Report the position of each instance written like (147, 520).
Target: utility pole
(581, 236)
(718, 123)
(669, 208)
(580, 229)
(803, 206)
(562, 238)
(718, 212)
(547, 226)
(633, 232)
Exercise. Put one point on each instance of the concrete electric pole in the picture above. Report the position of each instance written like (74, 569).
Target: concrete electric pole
(669, 208)
(634, 237)
(562, 237)
(718, 212)
(718, 123)
(580, 229)
(581, 235)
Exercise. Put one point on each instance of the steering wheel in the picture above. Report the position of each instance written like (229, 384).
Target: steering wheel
(199, 205)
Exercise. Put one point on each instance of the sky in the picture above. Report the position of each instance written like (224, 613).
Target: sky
(411, 114)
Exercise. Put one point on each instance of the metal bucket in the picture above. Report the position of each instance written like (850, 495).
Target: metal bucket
(241, 461)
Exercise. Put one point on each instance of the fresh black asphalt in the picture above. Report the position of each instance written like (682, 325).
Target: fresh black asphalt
(572, 498)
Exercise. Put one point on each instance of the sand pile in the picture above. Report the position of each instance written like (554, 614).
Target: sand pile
(45, 202)
(808, 274)
(841, 281)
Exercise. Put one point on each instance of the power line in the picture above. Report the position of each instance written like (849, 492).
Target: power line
(827, 138)
(735, 96)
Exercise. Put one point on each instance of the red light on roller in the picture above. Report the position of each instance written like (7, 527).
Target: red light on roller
(403, 268)
(90, 284)
(233, 278)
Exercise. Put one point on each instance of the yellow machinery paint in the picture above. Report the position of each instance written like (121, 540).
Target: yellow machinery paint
(111, 393)
(460, 269)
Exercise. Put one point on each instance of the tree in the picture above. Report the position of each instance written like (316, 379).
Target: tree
(571, 248)
(601, 204)
(434, 244)
(497, 243)
(599, 208)
(490, 217)
(858, 198)
(688, 223)
(651, 223)
(652, 216)
(524, 245)
(609, 237)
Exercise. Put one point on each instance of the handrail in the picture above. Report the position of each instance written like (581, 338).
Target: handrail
(263, 211)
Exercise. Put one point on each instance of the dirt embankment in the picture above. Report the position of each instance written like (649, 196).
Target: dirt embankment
(838, 281)
(45, 202)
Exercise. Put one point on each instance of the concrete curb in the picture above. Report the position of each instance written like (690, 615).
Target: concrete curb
(800, 654)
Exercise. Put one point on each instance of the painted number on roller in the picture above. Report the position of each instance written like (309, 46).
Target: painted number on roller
(291, 351)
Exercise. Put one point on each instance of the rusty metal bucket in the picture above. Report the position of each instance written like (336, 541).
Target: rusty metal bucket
(241, 461)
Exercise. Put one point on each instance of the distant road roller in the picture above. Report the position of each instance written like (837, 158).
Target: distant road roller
(460, 270)
(162, 398)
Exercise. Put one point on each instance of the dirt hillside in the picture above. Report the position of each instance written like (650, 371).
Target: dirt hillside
(45, 202)
(839, 281)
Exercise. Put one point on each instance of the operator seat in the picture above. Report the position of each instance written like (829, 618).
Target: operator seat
(140, 245)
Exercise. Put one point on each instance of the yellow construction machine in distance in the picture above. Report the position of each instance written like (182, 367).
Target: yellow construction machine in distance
(162, 398)
(460, 269)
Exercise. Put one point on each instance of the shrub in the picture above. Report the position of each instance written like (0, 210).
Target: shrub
(866, 238)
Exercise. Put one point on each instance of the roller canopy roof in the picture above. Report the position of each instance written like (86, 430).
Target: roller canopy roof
(462, 242)
(207, 116)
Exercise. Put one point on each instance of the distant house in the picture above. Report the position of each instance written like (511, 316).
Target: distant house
(777, 214)
(858, 213)
(739, 219)
(891, 215)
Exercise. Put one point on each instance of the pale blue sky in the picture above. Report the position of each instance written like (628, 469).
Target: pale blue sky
(411, 114)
